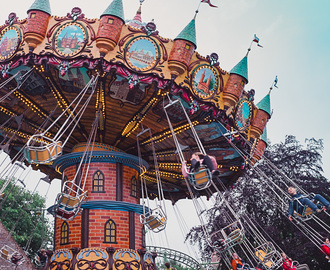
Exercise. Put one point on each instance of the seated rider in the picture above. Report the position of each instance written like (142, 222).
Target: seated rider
(325, 247)
(198, 159)
(299, 206)
(238, 263)
(287, 262)
(16, 258)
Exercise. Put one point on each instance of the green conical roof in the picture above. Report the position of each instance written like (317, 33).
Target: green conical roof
(264, 135)
(115, 9)
(189, 33)
(241, 69)
(42, 5)
(264, 104)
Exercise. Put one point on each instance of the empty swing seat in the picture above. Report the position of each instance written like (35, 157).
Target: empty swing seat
(155, 220)
(68, 202)
(268, 255)
(43, 150)
(236, 236)
(262, 255)
(201, 179)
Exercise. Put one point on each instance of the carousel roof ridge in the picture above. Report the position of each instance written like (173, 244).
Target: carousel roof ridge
(42, 5)
(115, 9)
(241, 68)
(189, 33)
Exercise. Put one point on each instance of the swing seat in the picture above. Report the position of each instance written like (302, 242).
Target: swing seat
(155, 220)
(235, 236)
(46, 151)
(68, 201)
(66, 215)
(11, 255)
(4, 254)
(263, 257)
(202, 179)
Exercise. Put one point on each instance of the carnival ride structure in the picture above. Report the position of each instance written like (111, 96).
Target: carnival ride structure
(113, 109)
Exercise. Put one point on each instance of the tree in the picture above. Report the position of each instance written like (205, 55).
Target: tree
(252, 197)
(23, 213)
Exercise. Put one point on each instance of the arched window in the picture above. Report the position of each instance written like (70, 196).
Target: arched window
(64, 233)
(133, 187)
(110, 232)
(98, 182)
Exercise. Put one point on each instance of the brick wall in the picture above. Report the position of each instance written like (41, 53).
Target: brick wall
(110, 30)
(234, 85)
(259, 121)
(98, 218)
(180, 53)
(37, 24)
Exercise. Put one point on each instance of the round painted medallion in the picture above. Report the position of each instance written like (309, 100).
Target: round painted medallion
(142, 53)
(70, 39)
(243, 114)
(9, 41)
(205, 81)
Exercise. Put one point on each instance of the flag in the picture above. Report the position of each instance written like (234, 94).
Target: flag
(209, 2)
(275, 82)
(256, 40)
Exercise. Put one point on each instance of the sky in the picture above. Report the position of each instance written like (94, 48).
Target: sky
(296, 48)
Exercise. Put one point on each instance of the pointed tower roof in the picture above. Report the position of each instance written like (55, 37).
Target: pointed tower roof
(264, 104)
(137, 20)
(189, 33)
(138, 17)
(115, 9)
(241, 69)
(264, 135)
(42, 5)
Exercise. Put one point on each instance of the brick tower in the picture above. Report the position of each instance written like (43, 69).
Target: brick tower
(110, 215)
(261, 116)
(111, 23)
(234, 87)
(182, 50)
(37, 23)
(259, 148)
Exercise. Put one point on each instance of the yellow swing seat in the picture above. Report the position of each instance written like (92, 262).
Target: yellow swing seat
(155, 219)
(43, 150)
(201, 179)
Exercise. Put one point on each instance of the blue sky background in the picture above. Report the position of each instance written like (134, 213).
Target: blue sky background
(296, 47)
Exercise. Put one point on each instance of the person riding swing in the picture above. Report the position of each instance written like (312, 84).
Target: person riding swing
(298, 202)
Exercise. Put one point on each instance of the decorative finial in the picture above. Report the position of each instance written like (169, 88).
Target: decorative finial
(203, 1)
(273, 84)
(196, 14)
(256, 40)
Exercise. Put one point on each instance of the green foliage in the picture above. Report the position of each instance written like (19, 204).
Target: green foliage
(301, 163)
(23, 212)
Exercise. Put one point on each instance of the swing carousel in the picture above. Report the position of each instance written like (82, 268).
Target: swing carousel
(113, 109)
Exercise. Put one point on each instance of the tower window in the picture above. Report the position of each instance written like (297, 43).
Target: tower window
(110, 232)
(64, 233)
(187, 47)
(110, 21)
(133, 187)
(98, 182)
(33, 15)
